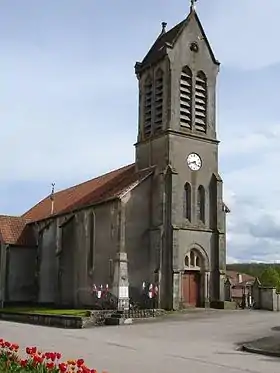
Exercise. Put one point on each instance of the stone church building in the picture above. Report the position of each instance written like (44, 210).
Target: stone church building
(162, 218)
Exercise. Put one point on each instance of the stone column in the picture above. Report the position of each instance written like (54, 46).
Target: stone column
(206, 289)
(222, 287)
(120, 282)
(227, 287)
(176, 290)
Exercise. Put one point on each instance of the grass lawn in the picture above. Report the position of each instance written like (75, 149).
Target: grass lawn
(46, 311)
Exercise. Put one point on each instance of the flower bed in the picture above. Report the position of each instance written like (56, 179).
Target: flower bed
(36, 361)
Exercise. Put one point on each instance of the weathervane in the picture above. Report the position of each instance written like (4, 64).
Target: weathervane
(193, 4)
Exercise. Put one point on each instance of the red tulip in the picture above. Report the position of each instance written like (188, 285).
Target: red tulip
(23, 362)
(80, 362)
(33, 350)
(62, 367)
(50, 365)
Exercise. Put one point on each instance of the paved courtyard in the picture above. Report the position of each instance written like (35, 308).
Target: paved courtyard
(200, 342)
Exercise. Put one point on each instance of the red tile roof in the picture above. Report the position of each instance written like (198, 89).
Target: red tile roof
(233, 277)
(97, 190)
(15, 231)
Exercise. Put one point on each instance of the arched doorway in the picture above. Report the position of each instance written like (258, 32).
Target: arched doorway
(192, 280)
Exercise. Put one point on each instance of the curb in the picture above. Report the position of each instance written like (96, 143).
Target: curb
(260, 351)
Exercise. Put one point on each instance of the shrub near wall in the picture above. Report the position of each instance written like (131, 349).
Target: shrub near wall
(36, 361)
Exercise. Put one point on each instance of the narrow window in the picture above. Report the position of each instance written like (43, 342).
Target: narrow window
(90, 262)
(192, 259)
(201, 204)
(158, 100)
(197, 261)
(111, 269)
(186, 98)
(148, 93)
(200, 102)
(187, 261)
(188, 202)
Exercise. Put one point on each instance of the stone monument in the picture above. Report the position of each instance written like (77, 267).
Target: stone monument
(120, 281)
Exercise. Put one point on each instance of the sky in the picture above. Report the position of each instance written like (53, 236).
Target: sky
(68, 101)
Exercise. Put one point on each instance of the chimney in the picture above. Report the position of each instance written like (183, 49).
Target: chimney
(239, 278)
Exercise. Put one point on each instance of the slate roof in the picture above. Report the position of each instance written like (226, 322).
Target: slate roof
(97, 190)
(15, 231)
(157, 50)
(167, 39)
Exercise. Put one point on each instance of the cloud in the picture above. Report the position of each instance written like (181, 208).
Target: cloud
(252, 195)
(245, 32)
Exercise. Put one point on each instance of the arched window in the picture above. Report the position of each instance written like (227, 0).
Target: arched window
(193, 260)
(188, 202)
(148, 93)
(158, 100)
(200, 104)
(186, 98)
(201, 204)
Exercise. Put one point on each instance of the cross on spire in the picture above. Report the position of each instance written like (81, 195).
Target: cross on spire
(193, 4)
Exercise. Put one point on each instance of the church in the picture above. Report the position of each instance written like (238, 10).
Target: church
(160, 220)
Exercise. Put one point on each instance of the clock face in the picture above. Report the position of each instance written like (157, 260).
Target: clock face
(194, 161)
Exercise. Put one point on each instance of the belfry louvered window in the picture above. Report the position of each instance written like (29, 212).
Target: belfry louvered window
(186, 98)
(158, 99)
(148, 94)
(200, 102)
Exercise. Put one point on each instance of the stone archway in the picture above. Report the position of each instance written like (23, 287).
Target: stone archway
(193, 281)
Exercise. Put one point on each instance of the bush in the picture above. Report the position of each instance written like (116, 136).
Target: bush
(36, 361)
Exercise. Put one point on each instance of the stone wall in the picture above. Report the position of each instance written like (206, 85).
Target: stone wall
(20, 274)
(265, 298)
(65, 249)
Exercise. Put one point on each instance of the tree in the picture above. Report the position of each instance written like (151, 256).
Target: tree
(270, 277)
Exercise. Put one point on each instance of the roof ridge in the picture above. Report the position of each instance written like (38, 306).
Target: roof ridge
(10, 216)
(110, 185)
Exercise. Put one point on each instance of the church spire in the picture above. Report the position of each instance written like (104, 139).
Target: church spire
(193, 5)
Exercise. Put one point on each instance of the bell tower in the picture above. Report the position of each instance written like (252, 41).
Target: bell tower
(177, 135)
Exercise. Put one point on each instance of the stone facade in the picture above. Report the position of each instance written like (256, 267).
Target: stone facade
(145, 221)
